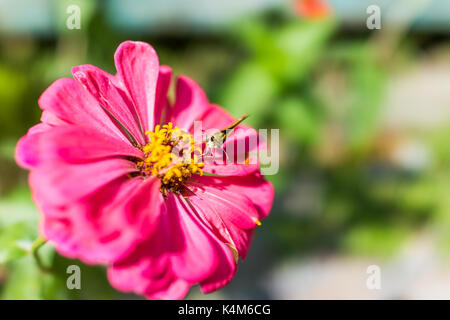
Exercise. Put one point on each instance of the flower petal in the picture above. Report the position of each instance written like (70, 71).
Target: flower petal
(70, 144)
(140, 279)
(190, 103)
(255, 187)
(24, 155)
(105, 226)
(137, 65)
(224, 261)
(162, 88)
(223, 273)
(215, 117)
(51, 119)
(66, 183)
(177, 289)
(192, 250)
(106, 89)
(227, 206)
(67, 100)
(180, 252)
(147, 269)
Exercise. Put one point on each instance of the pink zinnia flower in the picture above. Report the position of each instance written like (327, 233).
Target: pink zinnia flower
(109, 193)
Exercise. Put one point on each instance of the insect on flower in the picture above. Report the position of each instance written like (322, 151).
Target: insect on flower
(115, 172)
(217, 139)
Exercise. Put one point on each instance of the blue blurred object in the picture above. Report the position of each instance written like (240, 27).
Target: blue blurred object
(433, 15)
(41, 17)
(25, 17)
(180, 14)
(207, 15)
(46, 17)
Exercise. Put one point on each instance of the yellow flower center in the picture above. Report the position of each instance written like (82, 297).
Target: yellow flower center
(172, 156)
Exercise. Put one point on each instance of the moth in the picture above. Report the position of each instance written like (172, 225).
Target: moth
(217, 139)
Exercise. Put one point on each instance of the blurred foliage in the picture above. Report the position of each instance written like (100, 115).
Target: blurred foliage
(338, 189)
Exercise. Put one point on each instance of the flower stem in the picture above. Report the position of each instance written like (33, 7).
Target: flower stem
(37, 244)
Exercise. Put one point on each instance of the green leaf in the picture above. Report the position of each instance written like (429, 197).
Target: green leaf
(13, 85)
(15, 242)
(374, 240)
(300, 45)
(297, 121)
(367, 85)
(26, 281)
(290, 51)
(18, 225)
(250, 90)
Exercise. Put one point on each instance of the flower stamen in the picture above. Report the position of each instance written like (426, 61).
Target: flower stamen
(172, 156)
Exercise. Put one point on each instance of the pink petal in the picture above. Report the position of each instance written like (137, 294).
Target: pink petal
(71, 144)
(137, 65)
(230, 214)
(216, 117)
(223, 273)
(137, 278)
(233, 207)
(192, 250)
(255, 187)
(105, 88)
(67, 100)
(162, 88)
(177, 289)
(229, 169)
(180, 252)
(107, 225)
(51, 119)
(190, 103)
(66, 183)
(225, 264)
(25, 157)
(40, 127)
(147, 270)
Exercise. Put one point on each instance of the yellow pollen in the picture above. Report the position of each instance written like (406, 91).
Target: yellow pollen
(172, 156)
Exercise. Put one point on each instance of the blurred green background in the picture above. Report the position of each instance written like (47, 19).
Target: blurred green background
(364, 119)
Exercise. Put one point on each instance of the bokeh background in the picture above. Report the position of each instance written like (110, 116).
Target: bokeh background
(364, 119)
